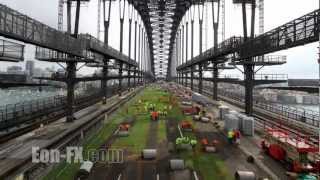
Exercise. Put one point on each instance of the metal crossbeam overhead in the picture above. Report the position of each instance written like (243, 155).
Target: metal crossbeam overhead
(161, 19)
(301, 31)
(15, 25)
(228, 46)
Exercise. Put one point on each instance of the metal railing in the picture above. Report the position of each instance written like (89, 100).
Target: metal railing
(229, 76)
(95, 44)
(17, 114)
(271, 77)
(294, 33)
(298, 32)
(283, 111)
(271, 59)
(224, 48)
(10, 51)
(16, 25)
(299, 114)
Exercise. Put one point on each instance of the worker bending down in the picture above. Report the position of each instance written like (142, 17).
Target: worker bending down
(234, 136)
(230, 136)
(237, 136)
(154, 115)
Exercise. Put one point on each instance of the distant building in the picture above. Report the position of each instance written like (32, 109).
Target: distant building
(30, 68)
(17, 78)
(38, 72)
(15, 70)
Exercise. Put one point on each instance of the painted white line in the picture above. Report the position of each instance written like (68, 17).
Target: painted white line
(181, 134)
(119, 177)
(195, 175)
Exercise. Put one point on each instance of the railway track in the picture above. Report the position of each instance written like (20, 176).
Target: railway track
(71, 136)
(56, 114)
(265, 119)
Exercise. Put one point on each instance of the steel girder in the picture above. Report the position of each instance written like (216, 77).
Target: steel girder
(161, 19)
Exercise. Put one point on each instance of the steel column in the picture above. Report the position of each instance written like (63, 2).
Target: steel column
(248, 68)
(71, 75)
(249, 79)
(186, 79)
(200, 12)
(215, 81)
(69, 3)
(200, 78)
(122, 13)
(192, 76)
(72, 66)
(215, 18)
(139, 58)
(187, 34)
(129, 76)
(135, 48)
(120, 76)
(192, 13)
(182, 45)
(104, 81)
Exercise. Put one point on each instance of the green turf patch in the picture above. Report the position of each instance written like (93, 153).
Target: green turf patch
(209, 166)
(136, 141)
(67, 171)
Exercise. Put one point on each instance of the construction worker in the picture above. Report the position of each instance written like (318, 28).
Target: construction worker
(154, 115)
(237, 135)
(193, 143)
(198, 110)
(230, 136)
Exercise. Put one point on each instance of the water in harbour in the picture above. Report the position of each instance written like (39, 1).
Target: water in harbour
(19, 95)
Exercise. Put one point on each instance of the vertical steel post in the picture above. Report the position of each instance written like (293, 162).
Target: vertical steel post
(104, 81)
(122, 13)
(139, 50)
(71, 66)
(319, 81)
(106, 19)
(120, 76)
(192, 13)
(129, 76)
(200, 12)
(215, 18)
(187, 39)
(192, 76)
(200, 79)
(69, 3)
(248, 68)
(130, 8)
(135, 48)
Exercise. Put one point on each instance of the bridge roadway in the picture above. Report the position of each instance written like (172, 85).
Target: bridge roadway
(15, 154)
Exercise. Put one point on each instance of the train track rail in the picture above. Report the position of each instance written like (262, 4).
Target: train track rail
(71, 136)
(56, 114)
(266, 119)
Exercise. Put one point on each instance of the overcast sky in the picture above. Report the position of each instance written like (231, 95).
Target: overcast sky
(302, 61)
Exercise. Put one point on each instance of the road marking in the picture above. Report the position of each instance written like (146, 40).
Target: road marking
(195, 175)
(119, 177)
